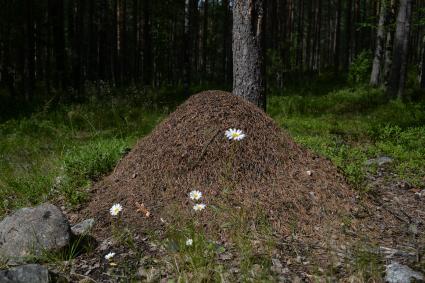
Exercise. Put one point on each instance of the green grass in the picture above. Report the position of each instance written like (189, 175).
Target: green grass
(57, 153)
(351, 125)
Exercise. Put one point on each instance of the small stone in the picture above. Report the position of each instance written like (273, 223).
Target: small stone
(277, 266)
(225, 256)
(299, 259)
(379, 160)
(83, 228)
(276, 262)
(413, 228)
(33, 273)
(398, 273)
(106, 244)
(309, 172)
(404, 185)
(420, 194)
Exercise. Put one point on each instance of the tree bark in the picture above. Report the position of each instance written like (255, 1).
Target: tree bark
(389, 42)
(147, 46)
(317, 44)
(248, 51)
(337, 37)
(348, 34)
(422, 69)
(186, 51)
(401, 44)
(78, 47)
(226, 64)
(205, 39)
(379, 49)
(30, 52)
(6, 69)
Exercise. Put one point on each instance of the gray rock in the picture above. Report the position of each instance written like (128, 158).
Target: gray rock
(379, 160)
(32, 231)
(83, 228)
(33, 273)
(398, 273)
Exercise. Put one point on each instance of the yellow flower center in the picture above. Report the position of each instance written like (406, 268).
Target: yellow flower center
(235, 135)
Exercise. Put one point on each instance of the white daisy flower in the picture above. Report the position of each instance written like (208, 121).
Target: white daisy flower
(234, 134)
(115, 209)
(109, 256)
(189, 242)
(195, 195)
(199, 207)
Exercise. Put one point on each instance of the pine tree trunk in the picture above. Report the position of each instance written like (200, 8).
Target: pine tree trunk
(205, 40)
(300, 36)
(135, 49)
(147, 46)
(337, 37)
(348, 35)
(317, 49)
(248, 51)
(186, 51)
(309, 35)
(422, 71)
(29, 70)
(379, 50)
(226, 64)
(389, 43)
(401, 44)
(6, 68)
(123, 42)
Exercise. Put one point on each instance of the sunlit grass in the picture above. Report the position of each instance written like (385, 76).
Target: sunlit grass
(350, 126)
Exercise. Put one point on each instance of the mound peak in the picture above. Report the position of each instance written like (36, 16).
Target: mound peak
(265, 173)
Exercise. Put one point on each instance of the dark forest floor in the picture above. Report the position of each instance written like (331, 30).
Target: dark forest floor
(56, 154)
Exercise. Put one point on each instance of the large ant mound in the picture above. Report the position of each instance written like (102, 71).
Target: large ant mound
(265, 174)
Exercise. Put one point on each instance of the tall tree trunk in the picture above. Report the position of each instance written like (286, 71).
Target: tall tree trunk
(187, 46)
(248, 51)
(78, 47)
(401, 44)
(205, 40)
(309, 44)
(337, 36)
(389, 42)
(194, 31)
(379, 49)
(117, 42)
(147, 43)
(356, 20)
(30, 51)
(123, 42)
(6, 68)
(300, 36)
(348, 35)
(317, 48)
(227, 69)
(422, 69)
(136, 40)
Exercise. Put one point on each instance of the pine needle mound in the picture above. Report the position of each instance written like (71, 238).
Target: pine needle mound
(264, 174)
